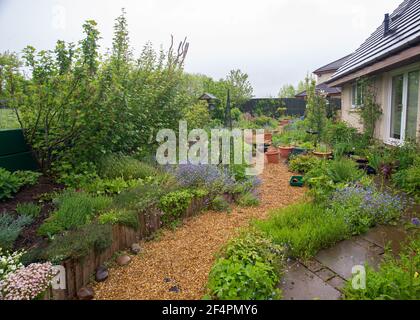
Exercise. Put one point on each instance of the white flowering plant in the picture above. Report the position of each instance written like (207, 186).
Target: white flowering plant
(27, 283)
(10, 262)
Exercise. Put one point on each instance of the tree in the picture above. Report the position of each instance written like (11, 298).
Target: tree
(316, 109)
(287, 91)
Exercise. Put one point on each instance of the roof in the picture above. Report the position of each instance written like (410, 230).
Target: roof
(322, 87)
(333, 66)
(208, 96)
(404, 31)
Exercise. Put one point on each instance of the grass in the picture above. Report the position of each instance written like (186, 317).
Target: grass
(116, 166)
(304, 229)
(8, 119)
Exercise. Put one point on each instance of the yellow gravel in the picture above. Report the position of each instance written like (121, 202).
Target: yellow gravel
(183, 258)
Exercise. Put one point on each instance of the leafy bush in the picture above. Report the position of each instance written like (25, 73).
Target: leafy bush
(28, 209)
(409, 179)
(109, 186)
(123, 217)
(363, 208)
(174, 204)
(248, 269)
(76, 244)
(248, 200)
(220, 204)
(128, 168)
(75, 209)
(265, 122)
(10, 228)
(10, 183)
(343, 171)
(303, 229)
(396, 279)
(303, 163)
(139, 198)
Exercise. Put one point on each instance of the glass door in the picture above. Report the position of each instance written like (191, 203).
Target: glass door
(404, 106)
(397, 106)
(412, 105)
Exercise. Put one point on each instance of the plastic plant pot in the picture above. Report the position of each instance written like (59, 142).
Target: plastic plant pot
(297, 181)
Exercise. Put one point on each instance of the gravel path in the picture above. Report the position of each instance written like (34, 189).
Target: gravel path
(181, 260)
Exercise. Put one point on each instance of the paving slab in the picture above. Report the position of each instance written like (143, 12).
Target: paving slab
(337, 282)
(384, 235)
(301, 284)
(345, 255)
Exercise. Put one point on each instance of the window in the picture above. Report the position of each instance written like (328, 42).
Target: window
(356, 94)
(404, 106)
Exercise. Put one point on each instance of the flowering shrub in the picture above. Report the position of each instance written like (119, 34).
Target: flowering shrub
(363, 208)
(27, 283)
(9, 262)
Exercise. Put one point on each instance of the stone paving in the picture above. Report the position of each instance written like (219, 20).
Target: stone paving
(323, 277)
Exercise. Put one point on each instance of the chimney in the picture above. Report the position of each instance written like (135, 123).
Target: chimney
(386, 25)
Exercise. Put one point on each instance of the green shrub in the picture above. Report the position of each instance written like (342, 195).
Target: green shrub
(139, 198)
(76, 244)
(174, 204)
(303, 163)
(75, 209)
(128, 168)
(126, 218)
(248, 200)
(220, 204)
(396, 279)
(248, 269)
(343, 171)
(109, 186)
(10, 228)
(10, 183)
(304, 229)
(409, 179)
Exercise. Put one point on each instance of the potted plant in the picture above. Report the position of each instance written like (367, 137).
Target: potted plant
(322, 151)
(273, 155)
(284, 120)
(268, 136)
(283, 146)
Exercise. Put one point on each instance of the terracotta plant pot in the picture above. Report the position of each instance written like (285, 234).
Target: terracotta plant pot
(283, 123)
(268, 137)
(285, 152)
(273, 156)
(322, 155)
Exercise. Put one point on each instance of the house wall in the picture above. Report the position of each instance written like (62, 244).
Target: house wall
(382, 87)
(323, 77)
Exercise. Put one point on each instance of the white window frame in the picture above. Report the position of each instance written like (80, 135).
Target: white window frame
(404, 71)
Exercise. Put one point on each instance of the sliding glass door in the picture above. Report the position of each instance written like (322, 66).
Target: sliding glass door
(404, 106)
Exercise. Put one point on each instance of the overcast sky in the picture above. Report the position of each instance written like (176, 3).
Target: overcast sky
(274, 41)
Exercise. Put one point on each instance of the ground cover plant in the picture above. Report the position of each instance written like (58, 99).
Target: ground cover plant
(10, 183)
(247, 269)
(396, 279)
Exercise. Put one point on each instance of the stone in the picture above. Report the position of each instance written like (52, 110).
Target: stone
(101, 274)
(313, 265)
(384, 235)
(345, 255)
(301, 284)
(85, 293)
(174, 289)
(123, 260)
(167, 280)
(135, 248)
(337, 282)
(325, 274)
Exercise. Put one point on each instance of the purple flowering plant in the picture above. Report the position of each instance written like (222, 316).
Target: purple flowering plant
(364, 207)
